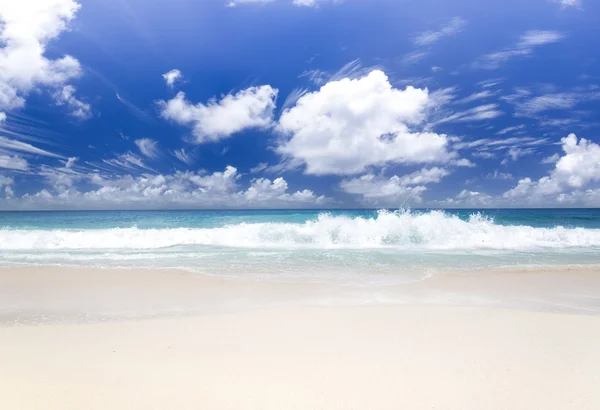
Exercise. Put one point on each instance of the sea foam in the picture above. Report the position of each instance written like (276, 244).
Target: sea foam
(406, 230)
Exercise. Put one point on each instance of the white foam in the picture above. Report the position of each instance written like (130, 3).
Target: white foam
(406, 230)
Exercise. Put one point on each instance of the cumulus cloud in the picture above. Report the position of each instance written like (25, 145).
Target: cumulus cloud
(265, 190)
(178, 190)
(26, 29)
(13, 162)
(6, 186)
(376, 189)
(577, 168)
(352, 124)
(219, 119)
(172, 77)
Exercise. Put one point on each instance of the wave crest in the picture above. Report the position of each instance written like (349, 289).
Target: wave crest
(433, 230)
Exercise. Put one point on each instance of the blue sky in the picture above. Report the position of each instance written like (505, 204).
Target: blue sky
(129, 104)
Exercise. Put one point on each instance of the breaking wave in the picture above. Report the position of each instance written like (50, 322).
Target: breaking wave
(406, 230)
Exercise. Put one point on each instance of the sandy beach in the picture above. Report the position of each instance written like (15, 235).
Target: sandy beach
(103, 339)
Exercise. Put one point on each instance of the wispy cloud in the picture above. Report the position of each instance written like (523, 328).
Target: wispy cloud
(127, 162)
(414, 57)
(477, 96)
(534, 101)
(479, 113)
(148, 147)
(510, 129)
(293, 97)
(525, 46)
(568, 3)
(135, 110)
(8, 145)
(427, 38)
(353, 69)
(184, 156)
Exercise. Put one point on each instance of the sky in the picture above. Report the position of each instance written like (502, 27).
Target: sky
(184, 104)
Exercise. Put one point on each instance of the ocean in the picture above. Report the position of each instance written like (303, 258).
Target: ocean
(392, 245)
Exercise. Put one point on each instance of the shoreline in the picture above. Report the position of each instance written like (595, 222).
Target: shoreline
(37, 295)
(152, 339)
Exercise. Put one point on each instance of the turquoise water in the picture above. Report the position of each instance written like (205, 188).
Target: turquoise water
(400, 244)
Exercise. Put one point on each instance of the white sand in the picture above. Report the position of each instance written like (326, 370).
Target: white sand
(379, 357)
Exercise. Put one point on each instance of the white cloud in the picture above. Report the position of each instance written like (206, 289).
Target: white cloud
(215, 120)
(178, 190)
(13, 162)
(66, 96)
(70, 162)
(299, 3)
(525, 46)
(265, 190)
(4, 181)
(454, 26)
(234, 3)
(305, 3)
(350, 125)
(415, 56)
(479, 113)
(516, 152)
(576, 169)
(408, 187)
(500, 144)
(568, 3)
(172, 77)
(534, 38)
(10, 146)
(510, 129)
(6, 186)
(353, 70)
(148, 147)
(127, 162)
(492, 82)
(27, 28)
(552, 159)
(482, 95)
(463, 162)
(532, 107)
(184, 156)
(503, 176)
(466, 197)
(138, 112)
